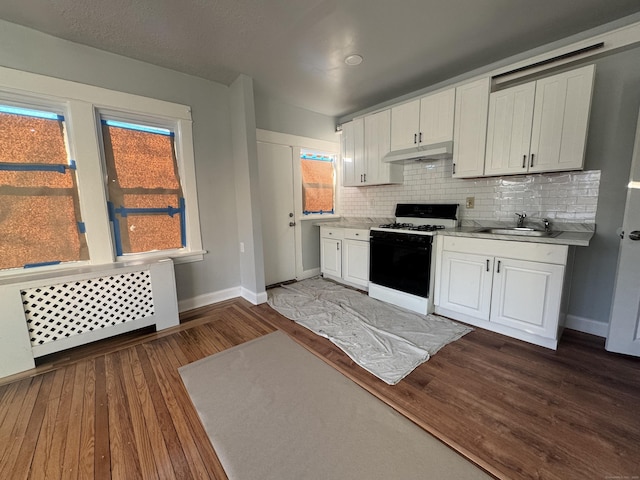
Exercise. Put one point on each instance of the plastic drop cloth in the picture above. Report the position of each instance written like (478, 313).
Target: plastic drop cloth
(385, 340)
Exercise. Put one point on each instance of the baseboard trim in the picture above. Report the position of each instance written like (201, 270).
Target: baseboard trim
(209, 298)
(253, 297)
(587, 325)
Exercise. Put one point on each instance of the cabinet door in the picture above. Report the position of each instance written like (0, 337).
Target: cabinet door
(465, 283)
(356, 262)
(348, 146)
(331, 256)
(509, 130)
(405, 121)
(436, 117)
(377, 137)
(470, 128)
(561, 120)
(526, 295)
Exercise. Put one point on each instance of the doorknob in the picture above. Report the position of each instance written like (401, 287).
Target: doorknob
(635, 235)
(292, 224)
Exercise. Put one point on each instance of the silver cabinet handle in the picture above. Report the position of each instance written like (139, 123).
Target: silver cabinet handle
(453, 170)
(337, 245)
(420, 138)
(415, 138)
(498, 270)
(365, 177)
(487, 264)
(531, 164)
(524, 161)
(635, 235)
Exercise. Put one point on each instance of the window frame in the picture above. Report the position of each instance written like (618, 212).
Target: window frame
(82, 105)
(334, 164)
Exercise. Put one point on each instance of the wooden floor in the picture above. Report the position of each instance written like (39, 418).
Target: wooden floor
(118, 409)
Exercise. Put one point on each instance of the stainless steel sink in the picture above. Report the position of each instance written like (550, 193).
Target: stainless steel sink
(522, 231)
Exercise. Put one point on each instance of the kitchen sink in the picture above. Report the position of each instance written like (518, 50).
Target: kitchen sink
(522, 231)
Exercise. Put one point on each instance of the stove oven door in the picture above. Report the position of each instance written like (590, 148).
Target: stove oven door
(401, 262)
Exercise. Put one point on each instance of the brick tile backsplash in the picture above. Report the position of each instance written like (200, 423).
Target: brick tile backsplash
(570, 197)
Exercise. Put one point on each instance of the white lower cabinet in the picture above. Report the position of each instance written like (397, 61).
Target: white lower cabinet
(514, 288)
(344, 255)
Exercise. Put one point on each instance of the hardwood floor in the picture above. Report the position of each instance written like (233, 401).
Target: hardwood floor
(118, 409)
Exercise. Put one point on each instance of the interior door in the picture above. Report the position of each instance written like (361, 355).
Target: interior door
(275, 167)
(624, 323)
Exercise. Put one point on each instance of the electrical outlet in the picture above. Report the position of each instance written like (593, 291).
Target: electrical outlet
(471, 202)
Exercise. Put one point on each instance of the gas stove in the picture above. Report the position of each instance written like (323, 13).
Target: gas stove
(400, 266)
(412, 227)
(421, 219)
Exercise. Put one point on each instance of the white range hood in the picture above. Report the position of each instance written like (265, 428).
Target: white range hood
(436, 151)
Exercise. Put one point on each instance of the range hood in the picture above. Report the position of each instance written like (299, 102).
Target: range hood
(435, 151)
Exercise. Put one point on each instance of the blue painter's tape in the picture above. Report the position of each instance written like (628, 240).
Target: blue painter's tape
(125, 212)
(183, 223)
(72, 165)
(81, 227)
(27, 112)
(32, 167)
(116, 228)
(42, 264)
(138, 127)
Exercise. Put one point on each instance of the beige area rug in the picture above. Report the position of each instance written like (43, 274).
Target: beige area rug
(385, 340)
(273, 410)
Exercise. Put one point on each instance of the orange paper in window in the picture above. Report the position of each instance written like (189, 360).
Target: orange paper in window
(38, 229)
(146, 233)
(317, 181)
(143, 159)
(32, 141)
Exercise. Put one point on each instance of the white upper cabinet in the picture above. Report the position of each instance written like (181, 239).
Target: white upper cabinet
(365, 141)
(540, 126)
(509, 131)
(425, 121)
(470, 128)
(561, 120)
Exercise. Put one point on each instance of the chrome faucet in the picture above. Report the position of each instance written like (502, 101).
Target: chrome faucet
(521, 217)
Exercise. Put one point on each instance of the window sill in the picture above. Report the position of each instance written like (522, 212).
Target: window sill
(24, 275)
(321, 217)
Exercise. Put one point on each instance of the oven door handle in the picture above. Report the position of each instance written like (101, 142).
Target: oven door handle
(381, 243)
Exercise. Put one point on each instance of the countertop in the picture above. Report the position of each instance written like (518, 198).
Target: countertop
(575, 234)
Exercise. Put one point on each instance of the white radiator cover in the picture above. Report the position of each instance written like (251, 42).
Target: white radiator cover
(50, 313)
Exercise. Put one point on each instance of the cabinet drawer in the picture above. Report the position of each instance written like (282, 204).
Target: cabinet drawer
(357, 234)
(331, 232)
(521, 250)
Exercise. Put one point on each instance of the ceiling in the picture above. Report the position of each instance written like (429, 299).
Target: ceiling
(295, 50)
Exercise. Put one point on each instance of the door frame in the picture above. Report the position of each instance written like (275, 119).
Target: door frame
(298, 143)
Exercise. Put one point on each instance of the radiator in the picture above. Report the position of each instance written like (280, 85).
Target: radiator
(56, 313)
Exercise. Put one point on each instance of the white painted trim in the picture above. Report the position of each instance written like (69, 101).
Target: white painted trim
(81, 106)
(30, 83)
(253, 297)
(313, 272)
(208, 299)
(587, 325)
(323, 146)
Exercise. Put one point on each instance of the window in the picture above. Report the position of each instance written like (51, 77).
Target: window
(318, 183)
(40, 220)
(146, 205)
(68, 200)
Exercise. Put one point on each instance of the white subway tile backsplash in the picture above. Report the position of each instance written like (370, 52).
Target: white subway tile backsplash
(564, 196)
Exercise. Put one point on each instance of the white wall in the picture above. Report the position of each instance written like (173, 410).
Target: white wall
(32, 51)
